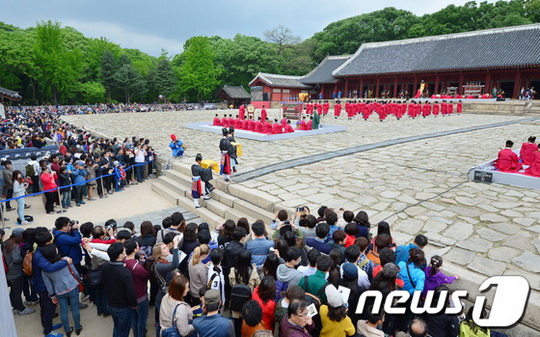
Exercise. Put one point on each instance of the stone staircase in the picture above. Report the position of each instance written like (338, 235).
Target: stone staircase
(230, 200)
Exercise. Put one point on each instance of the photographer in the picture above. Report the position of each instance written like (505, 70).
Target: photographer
(68, 240)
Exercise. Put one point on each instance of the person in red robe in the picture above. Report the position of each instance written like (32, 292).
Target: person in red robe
(534, 168)
(303, 124)
(399, 110)
(267, 127)
(426, 110)
(276, 128)
(381, 110)
(459, 107)
(337, 109)
(436, 108)
(217, 121)
(242, 112)
(325, 108)
(309, 124)
(443, 108)
(288, 128)
(251, 124)
(264, 116)
(450, 108)
(507, 160)
(528, 150)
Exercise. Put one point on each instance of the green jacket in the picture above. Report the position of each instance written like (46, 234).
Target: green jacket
(315, 283)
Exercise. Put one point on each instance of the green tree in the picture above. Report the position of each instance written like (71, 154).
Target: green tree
(165, 81)
(129, 80)
(198, 73)
(108, 69)
(59, 68)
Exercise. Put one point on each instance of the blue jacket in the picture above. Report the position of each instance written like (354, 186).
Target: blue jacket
(402, 252)
(79, 176)
(40, 263)
(177, 149)
(61, 281)
(417, 274)
(69, 244)
(259, 248)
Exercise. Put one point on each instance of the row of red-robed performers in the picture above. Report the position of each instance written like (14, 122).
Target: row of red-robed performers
(508, 160)
(484, 96)
(264, 127)
(397, 109)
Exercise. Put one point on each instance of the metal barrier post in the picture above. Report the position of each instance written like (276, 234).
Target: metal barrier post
(3, 222)
(62, 210)
(102, 189)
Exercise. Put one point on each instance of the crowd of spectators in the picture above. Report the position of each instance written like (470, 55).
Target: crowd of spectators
(305, 279)
(85, 165)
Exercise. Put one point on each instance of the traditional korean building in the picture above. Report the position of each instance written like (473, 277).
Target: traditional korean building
(266, 88)
(11, 95)
(325, 85)
(234, 96)
(472, 63)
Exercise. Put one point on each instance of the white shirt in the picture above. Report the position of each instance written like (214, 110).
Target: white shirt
(363, 279)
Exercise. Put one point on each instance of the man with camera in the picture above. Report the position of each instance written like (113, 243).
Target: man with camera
(68, 240)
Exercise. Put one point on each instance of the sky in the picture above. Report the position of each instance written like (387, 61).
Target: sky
(166, 24)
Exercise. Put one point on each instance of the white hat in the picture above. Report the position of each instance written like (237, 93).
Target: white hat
(334, 297)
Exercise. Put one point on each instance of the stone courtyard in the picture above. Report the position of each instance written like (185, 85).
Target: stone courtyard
(419, 186)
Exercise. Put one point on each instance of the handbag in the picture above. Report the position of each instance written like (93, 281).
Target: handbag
(171, 331)
(81, 286)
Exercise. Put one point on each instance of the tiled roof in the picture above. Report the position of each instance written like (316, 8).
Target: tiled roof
(282, 81)
(508, 47)
(323, 72)
(236, 92)
(10, 93)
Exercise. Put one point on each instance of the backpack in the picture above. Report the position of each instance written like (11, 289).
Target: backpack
(30, 172)
(240, 294)
(281, 288)
(27, 263)
(316, 300)
(374, 257)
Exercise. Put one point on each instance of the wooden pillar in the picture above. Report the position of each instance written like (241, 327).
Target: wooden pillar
(394, 94)
(517, 84)
(460, 87)
(335, 90)
(377, 87)
(322, 90)
(436, 90)
(414, 89)
(361, 89)
(487, 87)
(346, 93)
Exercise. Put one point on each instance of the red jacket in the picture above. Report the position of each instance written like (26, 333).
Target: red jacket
(507, 161)
(48, 182)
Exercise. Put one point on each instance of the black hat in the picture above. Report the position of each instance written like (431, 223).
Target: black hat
(225, 131)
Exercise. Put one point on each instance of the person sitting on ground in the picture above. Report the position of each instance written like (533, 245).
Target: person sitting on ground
(507, 160)
(534, 168)
(526, 154)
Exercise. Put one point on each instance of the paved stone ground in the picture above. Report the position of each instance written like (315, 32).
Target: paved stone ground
(420, 186)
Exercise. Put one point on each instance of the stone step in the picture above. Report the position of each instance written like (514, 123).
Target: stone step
(223, 197)
(182, 168)
(173, 185)
(206, 214)
(249, 210)
(179, 177)
(166, 192)
(216, 206)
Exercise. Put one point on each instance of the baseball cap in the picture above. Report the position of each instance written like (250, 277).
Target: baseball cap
(350, 271)
(211, 299)
(17, 232)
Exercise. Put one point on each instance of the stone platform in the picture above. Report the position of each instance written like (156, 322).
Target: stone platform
(262, 137)
(487, 171)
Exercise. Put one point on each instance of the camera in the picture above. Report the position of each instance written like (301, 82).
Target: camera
(301, 209)
(110, 226)
(73, 222)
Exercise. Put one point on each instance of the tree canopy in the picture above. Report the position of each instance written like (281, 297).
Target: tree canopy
(50, 64)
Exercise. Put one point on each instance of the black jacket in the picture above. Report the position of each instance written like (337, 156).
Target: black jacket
(118, 285)
(442, 325)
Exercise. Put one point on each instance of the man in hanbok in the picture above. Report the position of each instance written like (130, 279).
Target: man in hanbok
(200, 185)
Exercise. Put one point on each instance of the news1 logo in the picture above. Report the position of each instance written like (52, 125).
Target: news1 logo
(507, 308)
